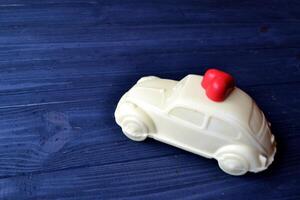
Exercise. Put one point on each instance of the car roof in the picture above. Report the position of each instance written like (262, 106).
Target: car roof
(188, 93)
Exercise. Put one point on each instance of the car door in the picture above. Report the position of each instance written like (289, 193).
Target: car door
(221, 133)
(186, 128)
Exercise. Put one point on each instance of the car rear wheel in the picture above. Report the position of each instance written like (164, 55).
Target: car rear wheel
(134, 128)
(233, 164)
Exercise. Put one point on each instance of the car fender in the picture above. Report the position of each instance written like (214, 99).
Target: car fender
(129, 109)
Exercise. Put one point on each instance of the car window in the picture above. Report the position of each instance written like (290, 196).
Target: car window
(220, 127)
(188, 115)
(173, 94)
(256, 119)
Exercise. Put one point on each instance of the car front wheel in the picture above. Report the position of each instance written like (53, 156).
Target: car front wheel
(233, 164)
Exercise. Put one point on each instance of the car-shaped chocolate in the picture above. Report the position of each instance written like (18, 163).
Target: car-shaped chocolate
(207, 116)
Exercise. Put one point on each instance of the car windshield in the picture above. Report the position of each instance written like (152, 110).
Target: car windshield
(256, 119)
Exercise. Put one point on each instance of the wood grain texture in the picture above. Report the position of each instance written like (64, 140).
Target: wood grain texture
(65, 64)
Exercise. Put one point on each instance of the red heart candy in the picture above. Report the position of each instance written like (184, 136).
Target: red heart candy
(217, 84)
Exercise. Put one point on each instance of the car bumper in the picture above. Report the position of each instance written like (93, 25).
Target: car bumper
(267, 161)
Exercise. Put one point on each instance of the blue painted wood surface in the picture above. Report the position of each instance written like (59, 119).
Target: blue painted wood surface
(65, 63)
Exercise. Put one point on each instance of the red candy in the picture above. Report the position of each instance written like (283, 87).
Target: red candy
(217, 84)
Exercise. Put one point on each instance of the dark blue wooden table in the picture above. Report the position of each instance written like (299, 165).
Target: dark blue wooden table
(64, 64)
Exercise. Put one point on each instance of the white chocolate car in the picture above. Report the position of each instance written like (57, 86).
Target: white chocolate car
(229, 127)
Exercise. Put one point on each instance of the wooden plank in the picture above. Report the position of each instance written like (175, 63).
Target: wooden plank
(65, 22)
(51, 136)
(50, 76)
(61, 136)
(184, 176)
(146, 13)
(206, 35)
